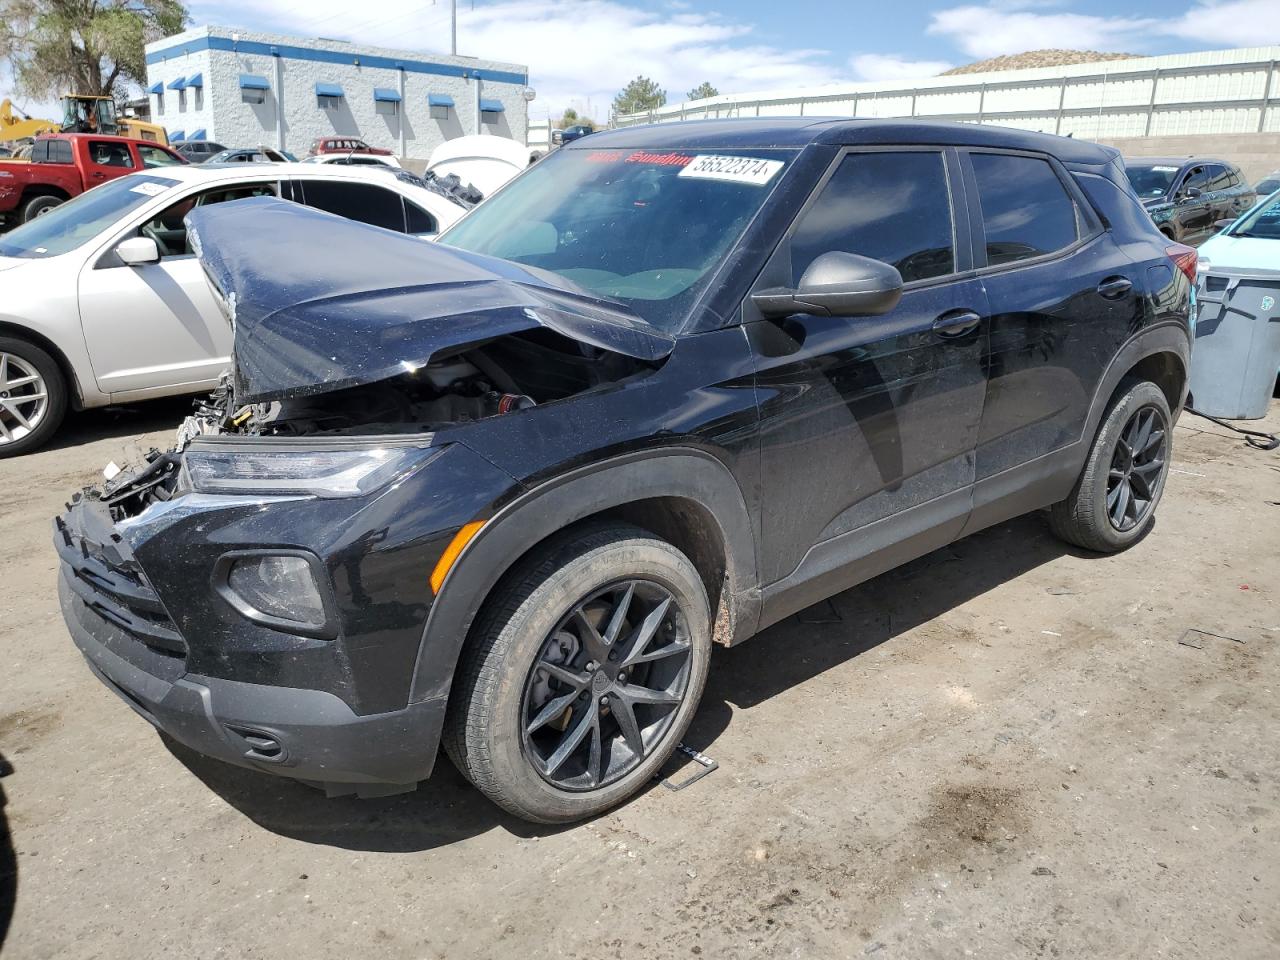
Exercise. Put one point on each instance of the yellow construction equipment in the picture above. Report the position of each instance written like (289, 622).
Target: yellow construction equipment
(86, 113)
(16, 125)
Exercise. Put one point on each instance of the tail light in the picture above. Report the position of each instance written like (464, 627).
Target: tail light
(1184, 258)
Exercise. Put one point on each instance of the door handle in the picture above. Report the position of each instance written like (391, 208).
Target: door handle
(1113, 288)
(98, 175)
(956, 323)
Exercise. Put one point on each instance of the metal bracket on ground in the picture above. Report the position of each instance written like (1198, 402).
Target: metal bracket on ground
(707, 764)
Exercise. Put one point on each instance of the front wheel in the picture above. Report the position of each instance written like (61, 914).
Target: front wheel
(581, 675)
(1113, 504)
(33, 396)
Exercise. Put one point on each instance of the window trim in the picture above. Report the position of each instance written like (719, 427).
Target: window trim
(1089, 226)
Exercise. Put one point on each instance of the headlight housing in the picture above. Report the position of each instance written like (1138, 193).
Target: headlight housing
(309, 472)
(283, 589)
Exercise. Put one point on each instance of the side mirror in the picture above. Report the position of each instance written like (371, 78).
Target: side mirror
(1190, 193)
(138, 251)
(1220, 225)
(836, 284)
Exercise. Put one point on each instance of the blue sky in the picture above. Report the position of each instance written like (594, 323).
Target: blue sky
(581, 51)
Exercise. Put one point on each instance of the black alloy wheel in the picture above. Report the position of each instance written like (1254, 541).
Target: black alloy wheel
(1137, 468)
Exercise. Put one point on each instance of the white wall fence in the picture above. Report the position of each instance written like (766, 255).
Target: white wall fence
(1223, 91)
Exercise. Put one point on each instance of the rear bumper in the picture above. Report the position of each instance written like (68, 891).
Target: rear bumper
(308, 735)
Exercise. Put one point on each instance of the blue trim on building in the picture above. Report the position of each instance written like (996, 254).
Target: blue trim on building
(289, 52)
(197, 134)
(178, 84)
(251, 81)
(196, 80)
(176, 135)
(491, 106)
(439, 100)
(329, 90)
(157, 87)
(385, 95)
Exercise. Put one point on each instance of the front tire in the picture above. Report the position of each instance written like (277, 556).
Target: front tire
(33, 396)
(1113, 504)
(581, 675)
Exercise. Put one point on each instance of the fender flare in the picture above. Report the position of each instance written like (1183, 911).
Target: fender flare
(684, 472)
(1170, 336)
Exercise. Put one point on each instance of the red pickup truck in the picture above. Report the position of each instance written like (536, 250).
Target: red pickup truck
(65, 165)
(344, 145)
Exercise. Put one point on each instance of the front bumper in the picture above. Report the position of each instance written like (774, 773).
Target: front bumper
(305, 734)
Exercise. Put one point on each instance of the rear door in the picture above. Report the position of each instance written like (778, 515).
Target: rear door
(105, 160)
(870, 423)
(1062, 296)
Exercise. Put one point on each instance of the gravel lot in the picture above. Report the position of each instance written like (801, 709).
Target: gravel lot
(1001, 750)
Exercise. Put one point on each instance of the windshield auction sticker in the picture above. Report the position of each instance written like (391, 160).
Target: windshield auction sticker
(148, 189)
(752, 170)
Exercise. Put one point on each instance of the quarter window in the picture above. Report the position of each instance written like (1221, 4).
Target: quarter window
(357, 201)
(892, 207)
(417, 220)
(1026, 211)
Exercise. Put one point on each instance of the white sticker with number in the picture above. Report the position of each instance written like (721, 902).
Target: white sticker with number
(752, 170)
(149, 189)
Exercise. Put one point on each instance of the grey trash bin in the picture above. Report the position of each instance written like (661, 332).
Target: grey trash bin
(1237, 348)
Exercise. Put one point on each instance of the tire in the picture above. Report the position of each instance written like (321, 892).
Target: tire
(19, 360)
(37, 206)
(1087, 517)
(500, 691)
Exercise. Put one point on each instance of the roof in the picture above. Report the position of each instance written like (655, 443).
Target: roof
(1179, 162)
(199, 172)
(98, 136)
(802, 131)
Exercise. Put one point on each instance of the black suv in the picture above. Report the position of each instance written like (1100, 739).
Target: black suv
(670, 386)
(1186, 197)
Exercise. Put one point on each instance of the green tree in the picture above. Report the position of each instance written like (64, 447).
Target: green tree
(569, 118)
(83, 46)
(639, 95)
(702, 91)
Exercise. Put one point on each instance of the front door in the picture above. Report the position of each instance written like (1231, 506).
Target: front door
(156, 328)
(869, 423)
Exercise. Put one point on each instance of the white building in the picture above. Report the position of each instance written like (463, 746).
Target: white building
(246, 89)
(1217, 91)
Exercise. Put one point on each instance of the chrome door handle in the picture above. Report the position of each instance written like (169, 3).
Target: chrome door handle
(956, 323)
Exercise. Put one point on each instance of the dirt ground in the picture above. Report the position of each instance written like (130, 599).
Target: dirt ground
(1001, 750)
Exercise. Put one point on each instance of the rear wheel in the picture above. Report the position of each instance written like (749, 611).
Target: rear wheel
(39, 206)
(33, 396)
(1114, 502)
(582, 675)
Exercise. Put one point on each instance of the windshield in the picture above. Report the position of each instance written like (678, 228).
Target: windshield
(1262, 223)
(1150, 179)
(77, 221)
(646, 229)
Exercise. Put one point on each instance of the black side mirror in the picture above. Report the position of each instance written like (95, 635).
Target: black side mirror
(1191, 193)
(836, 284)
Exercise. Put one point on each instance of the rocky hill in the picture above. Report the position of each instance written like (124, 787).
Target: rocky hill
(1036, 58)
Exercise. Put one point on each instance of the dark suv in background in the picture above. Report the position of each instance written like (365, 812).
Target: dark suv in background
(671, 385)
(1187, 196)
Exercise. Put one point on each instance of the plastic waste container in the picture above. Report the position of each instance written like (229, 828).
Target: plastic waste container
(1237, 351)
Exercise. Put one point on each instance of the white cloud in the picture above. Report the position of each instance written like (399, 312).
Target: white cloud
(890, 66)
(1235, 23)
(993, 30)
(576, 52)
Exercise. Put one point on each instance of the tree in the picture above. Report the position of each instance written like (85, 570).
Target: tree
(639, 95)
(569, 118)
(703, 91)
(83, 46)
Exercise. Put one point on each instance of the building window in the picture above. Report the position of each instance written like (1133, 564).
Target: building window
(159, 104)
(182, 100)
(329, 103)
(253, 96)
(198, 96)
(386, 108)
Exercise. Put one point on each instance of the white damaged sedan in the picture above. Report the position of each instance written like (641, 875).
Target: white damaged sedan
(102, 300)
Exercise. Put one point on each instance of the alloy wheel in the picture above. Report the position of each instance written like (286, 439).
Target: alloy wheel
(1137, 468)
(24, 398)
(606, 686)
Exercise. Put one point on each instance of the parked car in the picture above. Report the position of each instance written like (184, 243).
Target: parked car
(1267, 185)
(664, 389)
(355, 159)
(1247, 249)
(344, 145)
(198, 151)
(1187, 196)
(249, 155)
(105, 302)
(63, 166)
(570, 134)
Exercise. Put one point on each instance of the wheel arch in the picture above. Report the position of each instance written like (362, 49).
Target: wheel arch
(685, 496)
(19, 332)
(1160, 353)
(33, 190)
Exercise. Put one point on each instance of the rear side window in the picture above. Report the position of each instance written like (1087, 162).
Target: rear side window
(357, 201)
(51, 151)
(892, 207)
(418, 220)
(1026, 211)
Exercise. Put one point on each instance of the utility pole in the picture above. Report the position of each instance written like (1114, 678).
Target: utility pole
(453, 28)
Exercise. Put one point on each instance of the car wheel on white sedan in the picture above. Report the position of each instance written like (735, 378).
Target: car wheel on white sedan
(33, 396)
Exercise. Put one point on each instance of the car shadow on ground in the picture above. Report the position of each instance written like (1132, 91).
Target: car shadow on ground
(8, 862)
(109, 423)
(446, 809)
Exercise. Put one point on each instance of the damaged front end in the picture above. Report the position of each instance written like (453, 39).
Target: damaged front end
(260, 591)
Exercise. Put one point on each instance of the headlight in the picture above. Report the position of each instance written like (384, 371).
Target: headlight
(319, 473)
(280, 589)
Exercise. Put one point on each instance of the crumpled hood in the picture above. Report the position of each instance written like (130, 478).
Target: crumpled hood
(321, 303)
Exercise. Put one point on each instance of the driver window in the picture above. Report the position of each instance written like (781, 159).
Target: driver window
(169, 231)
(105, 153)
(1197, 177)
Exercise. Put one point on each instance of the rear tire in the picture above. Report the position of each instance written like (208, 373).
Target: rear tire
(38, 206)
(33, 396)
(1113, 504)
(530, 657)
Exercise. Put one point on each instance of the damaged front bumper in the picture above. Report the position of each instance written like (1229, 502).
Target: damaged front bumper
(142, 603)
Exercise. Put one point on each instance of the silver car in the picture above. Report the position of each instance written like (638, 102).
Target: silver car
(102, 299)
